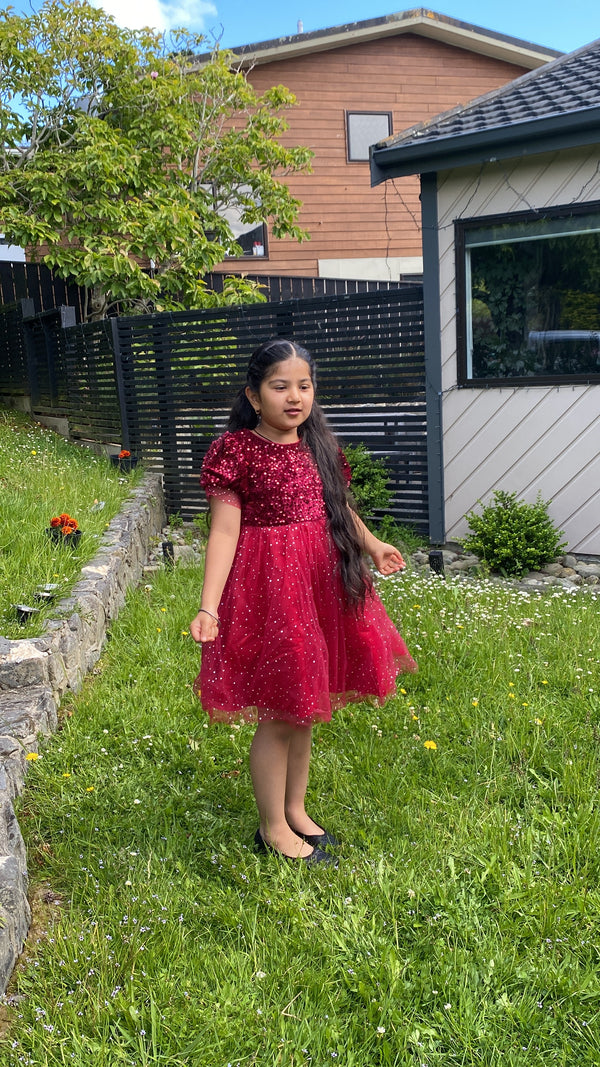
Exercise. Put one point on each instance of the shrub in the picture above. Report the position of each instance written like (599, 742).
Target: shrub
(404, 537)
(512, 536)
(369, 481)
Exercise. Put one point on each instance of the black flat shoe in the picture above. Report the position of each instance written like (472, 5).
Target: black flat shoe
(324, 840)
(316, 856)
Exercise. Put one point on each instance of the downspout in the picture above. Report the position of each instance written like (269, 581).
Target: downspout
(433, 358)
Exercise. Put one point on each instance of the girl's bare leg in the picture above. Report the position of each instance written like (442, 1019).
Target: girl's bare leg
(298, 763)
(269, 753)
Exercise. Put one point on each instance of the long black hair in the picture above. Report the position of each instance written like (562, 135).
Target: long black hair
(315, 433)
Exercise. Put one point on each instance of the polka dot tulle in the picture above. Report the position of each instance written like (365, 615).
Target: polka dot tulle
(287, 647)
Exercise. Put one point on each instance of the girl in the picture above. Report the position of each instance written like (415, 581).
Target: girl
(290, 624)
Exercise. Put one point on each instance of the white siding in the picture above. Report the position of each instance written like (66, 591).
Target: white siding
(526, 439)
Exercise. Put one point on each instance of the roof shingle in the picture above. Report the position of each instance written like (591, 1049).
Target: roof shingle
(568, 84)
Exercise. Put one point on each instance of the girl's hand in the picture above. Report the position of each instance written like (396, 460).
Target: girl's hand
(387, 558)
(204, 628)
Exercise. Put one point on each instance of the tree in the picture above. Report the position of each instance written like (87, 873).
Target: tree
(119, 151)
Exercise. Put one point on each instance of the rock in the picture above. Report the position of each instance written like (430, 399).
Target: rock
(25, 713)
(420, 558)
(12, 761)
(587, 570)
(570, 561)
(185, 556)
(22, 665)
(554, 569)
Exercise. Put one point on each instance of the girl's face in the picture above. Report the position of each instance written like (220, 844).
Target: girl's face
(285, 399)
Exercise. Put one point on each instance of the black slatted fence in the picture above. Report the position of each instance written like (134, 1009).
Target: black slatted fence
(39, 284)
(162, 385)
(179, 373)
(298, 287)
(14, 380)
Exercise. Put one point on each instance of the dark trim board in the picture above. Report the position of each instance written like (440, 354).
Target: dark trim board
(433, 358)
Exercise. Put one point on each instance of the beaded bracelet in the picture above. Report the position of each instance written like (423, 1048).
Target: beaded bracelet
(207, 612)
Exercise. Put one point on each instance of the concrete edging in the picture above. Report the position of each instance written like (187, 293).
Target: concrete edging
(36, 672)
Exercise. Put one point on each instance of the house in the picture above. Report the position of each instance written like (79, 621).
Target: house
(355, 84)
(510, 190)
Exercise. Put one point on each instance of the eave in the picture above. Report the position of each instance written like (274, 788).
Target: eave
(515, 140)
(420, 21)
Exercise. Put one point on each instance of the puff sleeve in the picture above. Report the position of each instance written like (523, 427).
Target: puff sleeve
(222, 471)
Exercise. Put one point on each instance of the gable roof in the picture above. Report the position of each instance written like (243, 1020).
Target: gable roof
(556, 106)
(419, 20)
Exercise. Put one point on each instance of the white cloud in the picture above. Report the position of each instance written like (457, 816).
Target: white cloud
(196, 15)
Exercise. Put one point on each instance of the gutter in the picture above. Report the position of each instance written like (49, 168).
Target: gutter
(486, 146)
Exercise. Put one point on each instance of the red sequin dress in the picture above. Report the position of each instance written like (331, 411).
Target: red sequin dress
(287, 648)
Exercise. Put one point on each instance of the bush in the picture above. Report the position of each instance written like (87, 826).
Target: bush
(369, 489)
(512, 536)
(369, 481)
(404, 537)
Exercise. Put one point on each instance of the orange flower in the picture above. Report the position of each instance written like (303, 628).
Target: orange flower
(124, 453)
(55, 522)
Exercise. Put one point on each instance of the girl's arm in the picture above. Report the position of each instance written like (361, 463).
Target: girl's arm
(220, 550)
(386, 557)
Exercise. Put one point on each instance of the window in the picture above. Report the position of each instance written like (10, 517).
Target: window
(364, 128)
(250, 236)
(529, 297)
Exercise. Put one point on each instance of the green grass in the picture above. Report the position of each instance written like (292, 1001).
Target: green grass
(42, 475)
(463, 924)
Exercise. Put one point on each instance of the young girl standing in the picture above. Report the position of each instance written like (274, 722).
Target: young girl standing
(290, 624)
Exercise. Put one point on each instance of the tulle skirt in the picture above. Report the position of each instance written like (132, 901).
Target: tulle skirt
(288, 647)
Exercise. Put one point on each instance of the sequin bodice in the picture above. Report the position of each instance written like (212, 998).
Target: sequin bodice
(274, 484)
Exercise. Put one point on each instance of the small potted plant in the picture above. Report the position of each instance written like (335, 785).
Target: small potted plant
(124, 460)
(64, 530)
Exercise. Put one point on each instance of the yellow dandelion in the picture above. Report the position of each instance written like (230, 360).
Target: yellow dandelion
(33, 452)
(544, 682)
(525, 704)
(430, 744)
(31, 756)
(158, 630)
(512, 684)
(403, 691)
(90, 789)
(415, 718)
(511, 696)
(475, 703)
(185, 633)
(163, 609)
(538, 722)
(67, 774)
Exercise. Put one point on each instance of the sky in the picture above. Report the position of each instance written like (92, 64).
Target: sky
(550, 23)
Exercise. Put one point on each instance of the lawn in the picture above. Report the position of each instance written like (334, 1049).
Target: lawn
(41, 476)
(462, 926)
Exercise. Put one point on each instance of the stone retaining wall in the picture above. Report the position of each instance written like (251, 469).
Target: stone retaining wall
(36, 672)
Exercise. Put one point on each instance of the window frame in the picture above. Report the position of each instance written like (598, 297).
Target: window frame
(351, 111)
(463, 294)
(249, 256)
